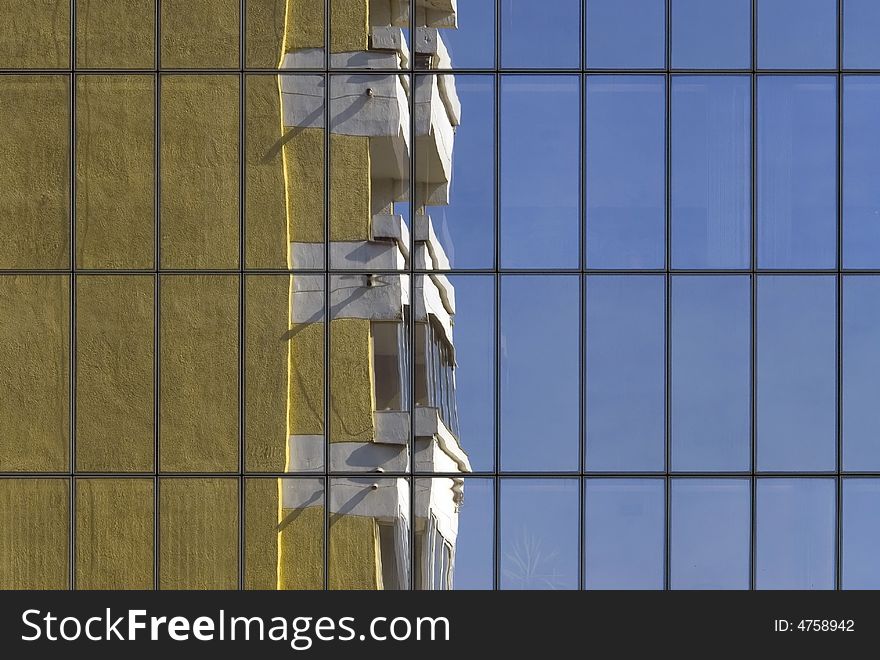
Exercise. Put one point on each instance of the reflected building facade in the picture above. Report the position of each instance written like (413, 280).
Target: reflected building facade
(376, 309)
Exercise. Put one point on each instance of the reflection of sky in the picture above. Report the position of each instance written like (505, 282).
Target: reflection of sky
(795, 533)
(861, 533)
(796, 373)
(797, 34)
(861, 48)
(539, 534)
(710, 322)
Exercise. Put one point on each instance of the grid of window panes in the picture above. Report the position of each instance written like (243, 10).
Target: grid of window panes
(664, 239)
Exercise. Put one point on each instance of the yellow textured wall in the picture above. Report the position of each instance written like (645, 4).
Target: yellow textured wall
(351, 394)
(350, 214)
(264, 203)
(266, 347)
(261, 534)
(115, 219)
(36, 34)
(305, 24)
(265, 31)
(198, 373)
(115, 33)
(304, 172)
(114, 373)
(33, 545)
(199, 170)
(198, 533)
(354, 552)
(349, 25)
(306, 379)
(114, 534)
(34, 169)
(200, 33)
(302, 548)
(34, 367)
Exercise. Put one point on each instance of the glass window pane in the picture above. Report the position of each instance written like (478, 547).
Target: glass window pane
(539, 551)
(284, 533)
(861, 534)
(861, 25)
(474, 335)
(861, 171)
(795, 534)
(711, 171)
(198, 533)
(861, 374)
(711, 35)
(35, 168)
(35, 390)
(624, 533)
(540, 34)
(540, 161)
(626, 34)
(711, 531)
(370, 376)
(797, 34)
(711, 374)
(472, 43)
(625, 381)
(39, 512)
(626, 171)
(797, 171)
(284, 160)
(199, 169)
(198, 373)
(796, 379)
(369, 171)
(115, 317)
(199, 34)
(463, 219)
(114, 533)
(115, 216)
(540, 318)
(355, 29)
(455, 521)
(268, 40)
(370, 534)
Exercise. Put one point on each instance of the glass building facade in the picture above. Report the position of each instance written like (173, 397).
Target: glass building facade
(487, 294)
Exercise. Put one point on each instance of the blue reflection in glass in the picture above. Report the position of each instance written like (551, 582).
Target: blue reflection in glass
(861, 171)
(796, 379)
(625, 34)
(475, 367)
(795, 533)
(474, 557)
(537, 35)
(624, 531)
(625, 381)
(540, 161)
(466, 226)
(472, 43)
(626, 171)
(711, 383)
(797, 171)
(861, 25)
(711, 35)
(861, 374)
(861, 534)
(538, 550)
(797, 34)
(710, 527)
(711, 171)
(539, 372)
